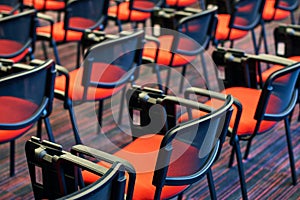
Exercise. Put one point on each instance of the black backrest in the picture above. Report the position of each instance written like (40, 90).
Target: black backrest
(199, 27)
(122, 54)
(242, 69)
(198, 140)
(247, 14)
(19, 28)
(289, 5)
(56, 174)
(189, 149)
(30, 88)
(93, 10)
(280, 89)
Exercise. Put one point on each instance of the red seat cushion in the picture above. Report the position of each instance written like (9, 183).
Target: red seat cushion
(50, 4)
(59, 31)
(249, 99)
(164, 54)
(100, 73)
(223, 29)
(269, 11)
(5, 8)
(135, 15)
(274, 68)
(181, 3)
(14, 110)
(142, 154)
(9, 47)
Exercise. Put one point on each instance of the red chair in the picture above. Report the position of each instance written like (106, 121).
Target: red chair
(180, 47)
(26, 96)
(276, 10)
(60, 172)
(133, 11)
(106, 70)
(168, 158)
(245, 17)
(285, 36)
(265, 108)
(18, 36)
(76, 21)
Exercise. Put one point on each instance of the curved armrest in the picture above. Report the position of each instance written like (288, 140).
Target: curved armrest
(150, 38)
(217, 95)
(48, 19)
(64, 72)
(94, 153)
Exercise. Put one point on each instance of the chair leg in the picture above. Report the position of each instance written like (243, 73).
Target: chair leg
(159, 81)
(55, 51)
(44, 50)
(122, 102)
(183, 72)
(240, 165)
(231, 44)
(12, 158)
(231, 159)
(100, 112)
(256, 49)
(74, 124)
(211, 184)
(39, 129)
(49, 129)
(119, 24)
(206, 76)
(290, 150)
(263, 37)
(293, 20)
(168, 80)
(180, 196)
(247, 149)
(78, 54)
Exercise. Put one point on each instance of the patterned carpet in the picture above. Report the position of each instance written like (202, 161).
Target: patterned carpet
(267, 169)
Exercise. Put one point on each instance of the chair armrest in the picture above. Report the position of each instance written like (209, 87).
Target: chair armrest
(272, 59)
(94, 153)
(149, 38)
(212, 94)
(45, 17)
(48, 19)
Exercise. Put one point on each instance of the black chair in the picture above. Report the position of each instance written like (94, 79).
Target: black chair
(56, 174)
(76, 21)
(106, 70)
(273, 103)
(169, 157)
(18, 35)
(245, 16)
(285, 38)
(26, 96)
(180, 46)
(277, 10)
